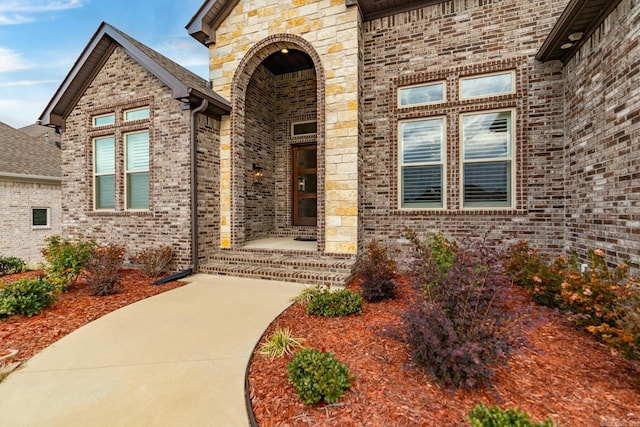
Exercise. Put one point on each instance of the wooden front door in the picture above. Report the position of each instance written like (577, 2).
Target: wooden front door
(305, 184)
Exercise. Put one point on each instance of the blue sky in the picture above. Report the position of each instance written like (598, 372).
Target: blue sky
(40, 40)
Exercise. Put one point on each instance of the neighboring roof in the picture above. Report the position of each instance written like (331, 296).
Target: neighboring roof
(24, 157)
(212, 13)
(43, 134)
(574, 27)
(183, 83)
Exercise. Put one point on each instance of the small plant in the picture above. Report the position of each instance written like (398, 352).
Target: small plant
(463, 326)
(378, 273)
(10, 265)
(153, 262)
(335, 304)
(66, 259)
(307, 294)
(280, 342)
(26, 296)
(317, 375)
(481, 416)
(102, 270)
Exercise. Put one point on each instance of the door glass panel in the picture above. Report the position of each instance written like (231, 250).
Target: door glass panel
(307, 208)
(307, 159)
(307, 183)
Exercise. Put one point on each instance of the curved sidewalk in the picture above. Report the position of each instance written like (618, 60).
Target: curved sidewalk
(175, 359)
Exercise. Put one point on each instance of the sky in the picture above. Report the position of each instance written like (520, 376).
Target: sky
(40, 40)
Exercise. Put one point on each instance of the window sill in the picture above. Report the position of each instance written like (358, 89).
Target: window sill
(460, 212)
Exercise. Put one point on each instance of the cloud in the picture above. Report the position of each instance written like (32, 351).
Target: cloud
(14, 12)
(29, 82)
(12, 60)
(185, 52)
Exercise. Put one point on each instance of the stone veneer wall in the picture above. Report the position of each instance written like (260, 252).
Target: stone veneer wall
(19, 238)
(602, 95)
(331, 30)
(445, 42)
(122, 84)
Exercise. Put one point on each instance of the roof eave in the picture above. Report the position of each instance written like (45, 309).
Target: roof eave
(7, 176)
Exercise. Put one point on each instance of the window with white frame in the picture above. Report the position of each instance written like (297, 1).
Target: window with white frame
(487, 158)
(137, 170)
(104, 119)
(422, 163)
(136, 114)
(104, 171)
(40, 217)
(421, 94)
(487, 85)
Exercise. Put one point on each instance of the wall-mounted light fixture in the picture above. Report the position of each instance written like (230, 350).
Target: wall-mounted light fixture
(258, 173)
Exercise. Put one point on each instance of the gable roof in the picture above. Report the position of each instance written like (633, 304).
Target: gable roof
(184, 84)
(212, 13)
(24, 157)
(579, 20)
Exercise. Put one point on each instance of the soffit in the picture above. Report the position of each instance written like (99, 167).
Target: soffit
(580, 16)
(293, 60)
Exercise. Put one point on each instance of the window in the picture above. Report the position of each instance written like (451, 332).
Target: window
(487, 85)
(304, 128)
(136, 114)
(422, 163)
(421, 94)
(40, 217)
(487, 147)
(104, 169)
(104, 120)
(137, 170)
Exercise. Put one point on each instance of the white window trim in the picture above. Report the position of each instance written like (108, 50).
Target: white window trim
(443, 162)
(303, 122)
(476, 76)
(511, 159)
(93, 120)
(96, 174)
(432, 83)
(127, 172)
(124, 113)
(41, 227)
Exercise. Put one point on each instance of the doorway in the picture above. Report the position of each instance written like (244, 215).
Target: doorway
(305, 184)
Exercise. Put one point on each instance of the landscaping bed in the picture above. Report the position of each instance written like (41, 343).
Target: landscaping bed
(563, 374)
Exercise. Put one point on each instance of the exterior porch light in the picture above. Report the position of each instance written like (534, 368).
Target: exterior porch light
(258, 173)
(284, 50)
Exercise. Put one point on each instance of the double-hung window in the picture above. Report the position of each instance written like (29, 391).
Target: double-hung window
(422, 163)
(104, 169)
(137, 170)
(487, 158)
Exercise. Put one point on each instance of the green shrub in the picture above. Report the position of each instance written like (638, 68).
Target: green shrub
(378, 273)
(26, 296)
(102, 269)
(463, 327)
(153, 261)
(280, 342)
(66, 258)
(335, 304)
(307, 294)
(10, 265)
(481, 416)
(317, 375)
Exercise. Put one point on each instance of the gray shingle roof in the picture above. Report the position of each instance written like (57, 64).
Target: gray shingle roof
(26, 157)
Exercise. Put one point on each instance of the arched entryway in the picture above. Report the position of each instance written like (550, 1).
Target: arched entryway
(277, 143)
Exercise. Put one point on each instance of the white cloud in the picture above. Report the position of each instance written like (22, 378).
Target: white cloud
(17, 113)
(187, 53)
(14, 12)
(29, 82)
(12, 60)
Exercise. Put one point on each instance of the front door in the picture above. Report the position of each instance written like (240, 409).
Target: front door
(305, 185)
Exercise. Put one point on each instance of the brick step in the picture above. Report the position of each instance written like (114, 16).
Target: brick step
(300, 267)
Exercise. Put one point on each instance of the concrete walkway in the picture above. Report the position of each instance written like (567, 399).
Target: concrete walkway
(176, 359)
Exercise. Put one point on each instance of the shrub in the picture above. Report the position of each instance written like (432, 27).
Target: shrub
(317, 375)
(66, 259)
(378, 273)
(26, 296)
(153, 262)
(10, 265)
(102, 269)
(335, 304)
(463, 327)
(307, 294)
(481, 416)
(280, 342)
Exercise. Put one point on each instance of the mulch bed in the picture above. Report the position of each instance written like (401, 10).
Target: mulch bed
(71, 310)
(563, 374)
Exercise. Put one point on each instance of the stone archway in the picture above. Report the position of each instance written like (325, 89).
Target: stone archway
(243, 129)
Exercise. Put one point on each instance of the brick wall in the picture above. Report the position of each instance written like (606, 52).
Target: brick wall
(121, 84)
(19, 238)
(602, 133)
(446, 42)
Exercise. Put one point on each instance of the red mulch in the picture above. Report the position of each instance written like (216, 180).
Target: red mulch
(563, 374)
(72, 309)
